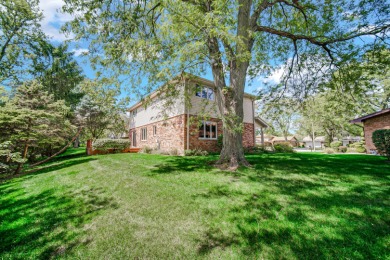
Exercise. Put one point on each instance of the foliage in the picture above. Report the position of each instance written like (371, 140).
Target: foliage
(342, 149)
(256, 149)
(360, 149)
(195, 152)
(283, 148)
(34, 122)
(329, 150)
(8, 157)
(22, 41)
(146, 149)
(99, 111)
(158, 40)
(281, 115)
(60, 75)
(336, 144)
(381, 139)
(115, 144)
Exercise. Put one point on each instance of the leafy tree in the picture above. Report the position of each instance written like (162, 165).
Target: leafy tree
(234, 39)
(60, 74)
(281, 115)
(98, 110)
(32, 119)
(21, 38)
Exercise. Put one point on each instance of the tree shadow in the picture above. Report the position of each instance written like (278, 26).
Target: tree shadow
(308, 207)
(179, 164)
(47, 224)
(53, 165)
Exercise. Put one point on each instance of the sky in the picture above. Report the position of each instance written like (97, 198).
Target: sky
(54, 19)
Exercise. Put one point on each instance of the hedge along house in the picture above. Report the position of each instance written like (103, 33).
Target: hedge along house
(188, 119)
(372, 122)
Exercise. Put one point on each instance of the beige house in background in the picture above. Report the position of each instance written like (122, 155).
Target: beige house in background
(188, 120)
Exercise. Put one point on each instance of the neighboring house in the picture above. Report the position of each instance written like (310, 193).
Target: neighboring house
(319, 142)
(260, 125)
(350, 140)
(372, 122)
(187, 121)
(290, 139)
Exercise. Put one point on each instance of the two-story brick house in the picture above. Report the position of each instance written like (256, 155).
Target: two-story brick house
(189, 120)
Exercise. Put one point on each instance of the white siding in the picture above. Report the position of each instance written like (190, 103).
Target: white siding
(210, 108)
(159, 109)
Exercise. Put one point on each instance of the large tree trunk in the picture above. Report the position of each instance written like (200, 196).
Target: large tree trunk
(230, 99)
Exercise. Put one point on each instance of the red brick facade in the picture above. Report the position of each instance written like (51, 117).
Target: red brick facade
(172, 134)
(372, 124)
(169, 135)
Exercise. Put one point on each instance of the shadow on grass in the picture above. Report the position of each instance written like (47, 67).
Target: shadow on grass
(315, 207)
(177, 164)
(57, 163)
(47, 224)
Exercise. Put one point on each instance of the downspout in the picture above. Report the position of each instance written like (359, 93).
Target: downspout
(253, 119)
(188, 118)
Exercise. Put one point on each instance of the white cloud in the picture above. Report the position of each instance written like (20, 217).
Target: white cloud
(78, 52)
(54, 19)
(275, 77)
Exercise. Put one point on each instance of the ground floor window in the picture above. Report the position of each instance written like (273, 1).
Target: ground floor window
(154, 130)
(208, 130)
(144, 134)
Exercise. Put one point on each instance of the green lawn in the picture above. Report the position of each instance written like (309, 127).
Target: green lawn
(121, 206)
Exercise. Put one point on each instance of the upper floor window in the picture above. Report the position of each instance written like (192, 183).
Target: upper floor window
(205, 92)
(144, 134)
(208, 130)
(133, 113)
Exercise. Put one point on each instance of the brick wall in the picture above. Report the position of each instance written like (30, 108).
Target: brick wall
(172, 134)
(169, 135)
(372, 124)
(211, 144)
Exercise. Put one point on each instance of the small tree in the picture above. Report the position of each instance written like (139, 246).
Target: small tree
(381, 139)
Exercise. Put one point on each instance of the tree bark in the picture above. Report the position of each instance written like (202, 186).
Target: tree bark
(25, 150)
(230, 99)
(60, 151)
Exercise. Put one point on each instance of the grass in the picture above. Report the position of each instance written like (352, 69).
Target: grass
(289, 206)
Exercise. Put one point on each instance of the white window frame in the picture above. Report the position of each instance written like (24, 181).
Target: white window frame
(205, 93)
(204, 123)
(144, 134)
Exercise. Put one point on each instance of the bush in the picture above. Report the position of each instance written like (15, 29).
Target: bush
(115, 144)
(381, 139)
(328, 150)
(342, 149)
(195, 152)
(360, 149)
(335, 145)
(146, 149)
(173, 151)
(283, 148)
(255, 149)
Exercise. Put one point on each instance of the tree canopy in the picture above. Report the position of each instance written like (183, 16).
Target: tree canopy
(159, 39)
